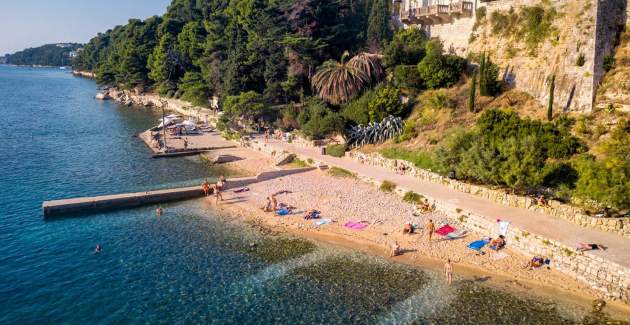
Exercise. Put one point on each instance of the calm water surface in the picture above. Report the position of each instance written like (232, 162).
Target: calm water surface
(187, 266)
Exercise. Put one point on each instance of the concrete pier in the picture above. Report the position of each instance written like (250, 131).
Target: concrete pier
(118, 201)
(129, 200)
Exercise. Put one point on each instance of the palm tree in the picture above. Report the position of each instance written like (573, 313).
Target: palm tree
(339, 82)
(370, 64)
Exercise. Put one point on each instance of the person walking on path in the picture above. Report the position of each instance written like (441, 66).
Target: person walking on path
(448, 271)
(430, 229)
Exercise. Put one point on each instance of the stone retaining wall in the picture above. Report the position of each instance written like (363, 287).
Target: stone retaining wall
(556, 209)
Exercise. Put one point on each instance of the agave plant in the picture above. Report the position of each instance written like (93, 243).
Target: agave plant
(338, 82)
(374, 132)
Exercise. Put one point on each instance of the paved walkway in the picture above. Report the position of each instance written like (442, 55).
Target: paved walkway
(553, 228)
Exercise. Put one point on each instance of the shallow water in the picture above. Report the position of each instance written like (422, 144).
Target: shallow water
(188, 266)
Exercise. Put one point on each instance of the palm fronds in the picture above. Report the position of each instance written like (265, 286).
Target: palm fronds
(338, 82)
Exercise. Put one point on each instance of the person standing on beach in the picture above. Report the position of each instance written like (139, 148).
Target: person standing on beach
(430, 229)
(185, 143)
(218, 187)
(448, 271)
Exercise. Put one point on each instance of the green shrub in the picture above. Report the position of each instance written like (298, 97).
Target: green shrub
(409, 131)
(406, 48)
(413, 198)
(374, 106)
(439, 70)
(336, 150)
(580, 60)
(340, 172)
(421, 159)
(607, 181)
(407, 76)
(387, 186)
(318, 121)
(504, 149)
(489, 85)
(298, 163)
(247, 106)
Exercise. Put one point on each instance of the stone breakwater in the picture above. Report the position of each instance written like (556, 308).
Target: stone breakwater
(607, 277)
(556, 209)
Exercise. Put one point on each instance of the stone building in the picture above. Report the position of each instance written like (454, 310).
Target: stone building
(583, 34)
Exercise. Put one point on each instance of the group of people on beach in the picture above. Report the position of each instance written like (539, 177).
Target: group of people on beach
(217, 188)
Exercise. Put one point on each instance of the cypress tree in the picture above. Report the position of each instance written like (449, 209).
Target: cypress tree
(482, 75)
(473, 91)
(552, 88)
(379, 31)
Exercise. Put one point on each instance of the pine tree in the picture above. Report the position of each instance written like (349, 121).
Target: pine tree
(552, 88)
(473, 92)
(379, 31)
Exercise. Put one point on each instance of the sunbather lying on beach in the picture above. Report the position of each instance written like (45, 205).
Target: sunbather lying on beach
(408, 228)
(582, 247)
(497, 243)
(311, 214)
(536, 262)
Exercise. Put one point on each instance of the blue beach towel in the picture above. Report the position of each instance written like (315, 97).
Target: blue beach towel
(282, 212)
(477, 245)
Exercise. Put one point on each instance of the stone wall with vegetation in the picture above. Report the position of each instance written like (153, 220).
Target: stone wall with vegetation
(556, 209)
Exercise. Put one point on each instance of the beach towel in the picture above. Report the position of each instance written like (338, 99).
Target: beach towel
(456, 234)
(503, 227)
(282, 212)
(355, 225)
(321, 222)
(445, 230)
(241, 190)
(477, 245)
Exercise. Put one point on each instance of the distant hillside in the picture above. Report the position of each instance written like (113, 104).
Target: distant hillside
(60, 54)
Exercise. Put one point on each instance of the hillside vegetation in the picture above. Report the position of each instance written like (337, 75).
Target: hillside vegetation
(47, 55)
(328, 68)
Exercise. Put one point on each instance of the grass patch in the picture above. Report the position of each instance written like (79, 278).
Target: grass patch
(420, 159)
(336, 150)
(567, 252)
(340, 172)
(412, 197)
(298, 163)
(387, 187)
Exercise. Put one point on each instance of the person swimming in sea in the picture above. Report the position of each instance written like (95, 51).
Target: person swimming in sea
(97, 249)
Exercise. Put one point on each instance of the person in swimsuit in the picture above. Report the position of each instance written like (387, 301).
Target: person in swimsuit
(267, 206)
(158, 211)
(218, 187)
(408, 228)
(206, 188)
(448, 271)
(97, 249)
(582, 247)
(430, 229)
(395, 249)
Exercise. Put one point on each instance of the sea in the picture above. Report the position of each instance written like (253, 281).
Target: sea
(189, 265)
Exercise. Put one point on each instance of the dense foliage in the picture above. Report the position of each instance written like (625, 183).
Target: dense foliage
(439, 70)
(211, 47)
(504, 149)
(406, 48)
(48, 55)
(374, 105)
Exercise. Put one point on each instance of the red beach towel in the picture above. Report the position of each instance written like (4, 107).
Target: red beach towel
(355, 225)
(445, 230)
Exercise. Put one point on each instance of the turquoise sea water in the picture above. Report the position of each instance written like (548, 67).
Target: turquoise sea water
(188, 266)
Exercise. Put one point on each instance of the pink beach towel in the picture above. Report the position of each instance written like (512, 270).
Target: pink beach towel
(445, 230)
(355, 225)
